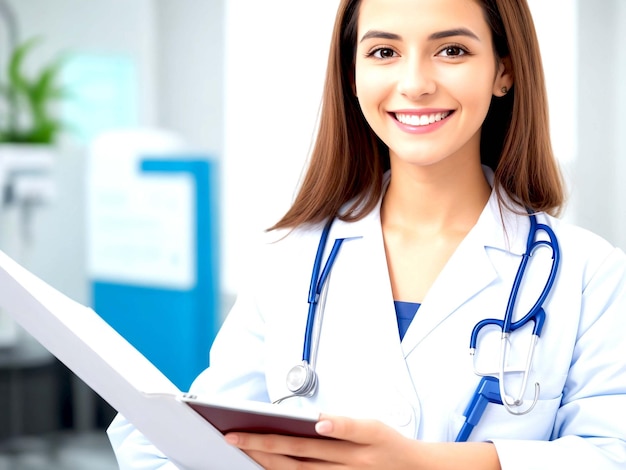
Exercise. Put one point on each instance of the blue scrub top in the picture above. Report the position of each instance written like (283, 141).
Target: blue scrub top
(405, 311)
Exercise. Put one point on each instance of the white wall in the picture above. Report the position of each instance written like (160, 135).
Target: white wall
(274, 75)
(599, 197)
(190, 71)
(619, 208)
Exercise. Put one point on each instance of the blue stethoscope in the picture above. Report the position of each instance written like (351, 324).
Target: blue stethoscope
(302, 378)
(491, 389)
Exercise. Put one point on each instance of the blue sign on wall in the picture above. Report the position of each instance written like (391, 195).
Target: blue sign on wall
(156, 275)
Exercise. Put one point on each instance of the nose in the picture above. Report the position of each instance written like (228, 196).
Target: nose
(416, 79)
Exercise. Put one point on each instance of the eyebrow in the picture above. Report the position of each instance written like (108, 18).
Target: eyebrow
(453, 32)
(434, 36)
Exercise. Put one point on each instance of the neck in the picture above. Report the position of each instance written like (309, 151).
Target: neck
(434, 199)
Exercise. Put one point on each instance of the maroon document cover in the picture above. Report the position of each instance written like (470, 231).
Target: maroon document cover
(262, 418)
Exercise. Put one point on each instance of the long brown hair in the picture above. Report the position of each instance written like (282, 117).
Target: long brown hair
(348, 160)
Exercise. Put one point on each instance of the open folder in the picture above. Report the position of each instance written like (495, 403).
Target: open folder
(114, 369)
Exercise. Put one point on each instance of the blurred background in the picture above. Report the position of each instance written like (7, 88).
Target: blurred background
(145, 144)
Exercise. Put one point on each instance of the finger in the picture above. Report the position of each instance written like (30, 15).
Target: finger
(316, 449)
(281, 462)
(348, 429)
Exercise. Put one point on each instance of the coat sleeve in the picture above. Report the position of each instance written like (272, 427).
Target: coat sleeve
(590, 429)
(132, 450)
(236, 369)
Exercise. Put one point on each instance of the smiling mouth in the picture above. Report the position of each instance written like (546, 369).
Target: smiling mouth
(421, 120)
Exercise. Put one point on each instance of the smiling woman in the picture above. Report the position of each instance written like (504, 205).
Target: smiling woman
(432, 159)
(417, 63)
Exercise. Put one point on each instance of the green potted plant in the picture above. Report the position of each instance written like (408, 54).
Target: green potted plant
(29, 114)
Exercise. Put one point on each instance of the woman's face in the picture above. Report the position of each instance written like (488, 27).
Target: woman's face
(425, 72)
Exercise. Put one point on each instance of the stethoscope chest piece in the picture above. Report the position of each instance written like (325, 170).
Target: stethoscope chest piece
(302, 380)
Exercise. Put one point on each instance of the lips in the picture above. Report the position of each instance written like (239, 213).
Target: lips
(423, 119)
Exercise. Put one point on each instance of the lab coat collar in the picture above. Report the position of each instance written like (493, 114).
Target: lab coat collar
(497, 227)
(500, 227)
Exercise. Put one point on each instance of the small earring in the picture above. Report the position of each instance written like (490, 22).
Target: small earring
(504, 90)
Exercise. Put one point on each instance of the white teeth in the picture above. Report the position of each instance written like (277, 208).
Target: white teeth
(423, 120)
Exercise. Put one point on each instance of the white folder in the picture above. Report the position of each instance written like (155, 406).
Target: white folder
(114, 369)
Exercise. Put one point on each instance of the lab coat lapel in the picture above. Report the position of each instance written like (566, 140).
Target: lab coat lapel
(469, 271)
(369, 269)
(360, 343)
(371, 300)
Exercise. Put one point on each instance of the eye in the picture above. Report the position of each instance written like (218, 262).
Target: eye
(382, 53)
(452, 51)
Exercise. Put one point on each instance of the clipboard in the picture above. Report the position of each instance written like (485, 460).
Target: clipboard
(129, 382)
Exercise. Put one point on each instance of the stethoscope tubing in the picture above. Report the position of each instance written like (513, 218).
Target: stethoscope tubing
(317, 284)
(302, 379)
(507, 325)
(537, 307)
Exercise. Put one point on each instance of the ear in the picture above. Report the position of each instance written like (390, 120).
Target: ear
(504, 77)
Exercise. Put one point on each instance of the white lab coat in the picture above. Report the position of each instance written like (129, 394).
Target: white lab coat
(421, 385)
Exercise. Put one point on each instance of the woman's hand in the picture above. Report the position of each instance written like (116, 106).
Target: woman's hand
(357, 444)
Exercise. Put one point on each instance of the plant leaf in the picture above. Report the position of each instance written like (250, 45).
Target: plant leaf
(44, 86)
(16, 78)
